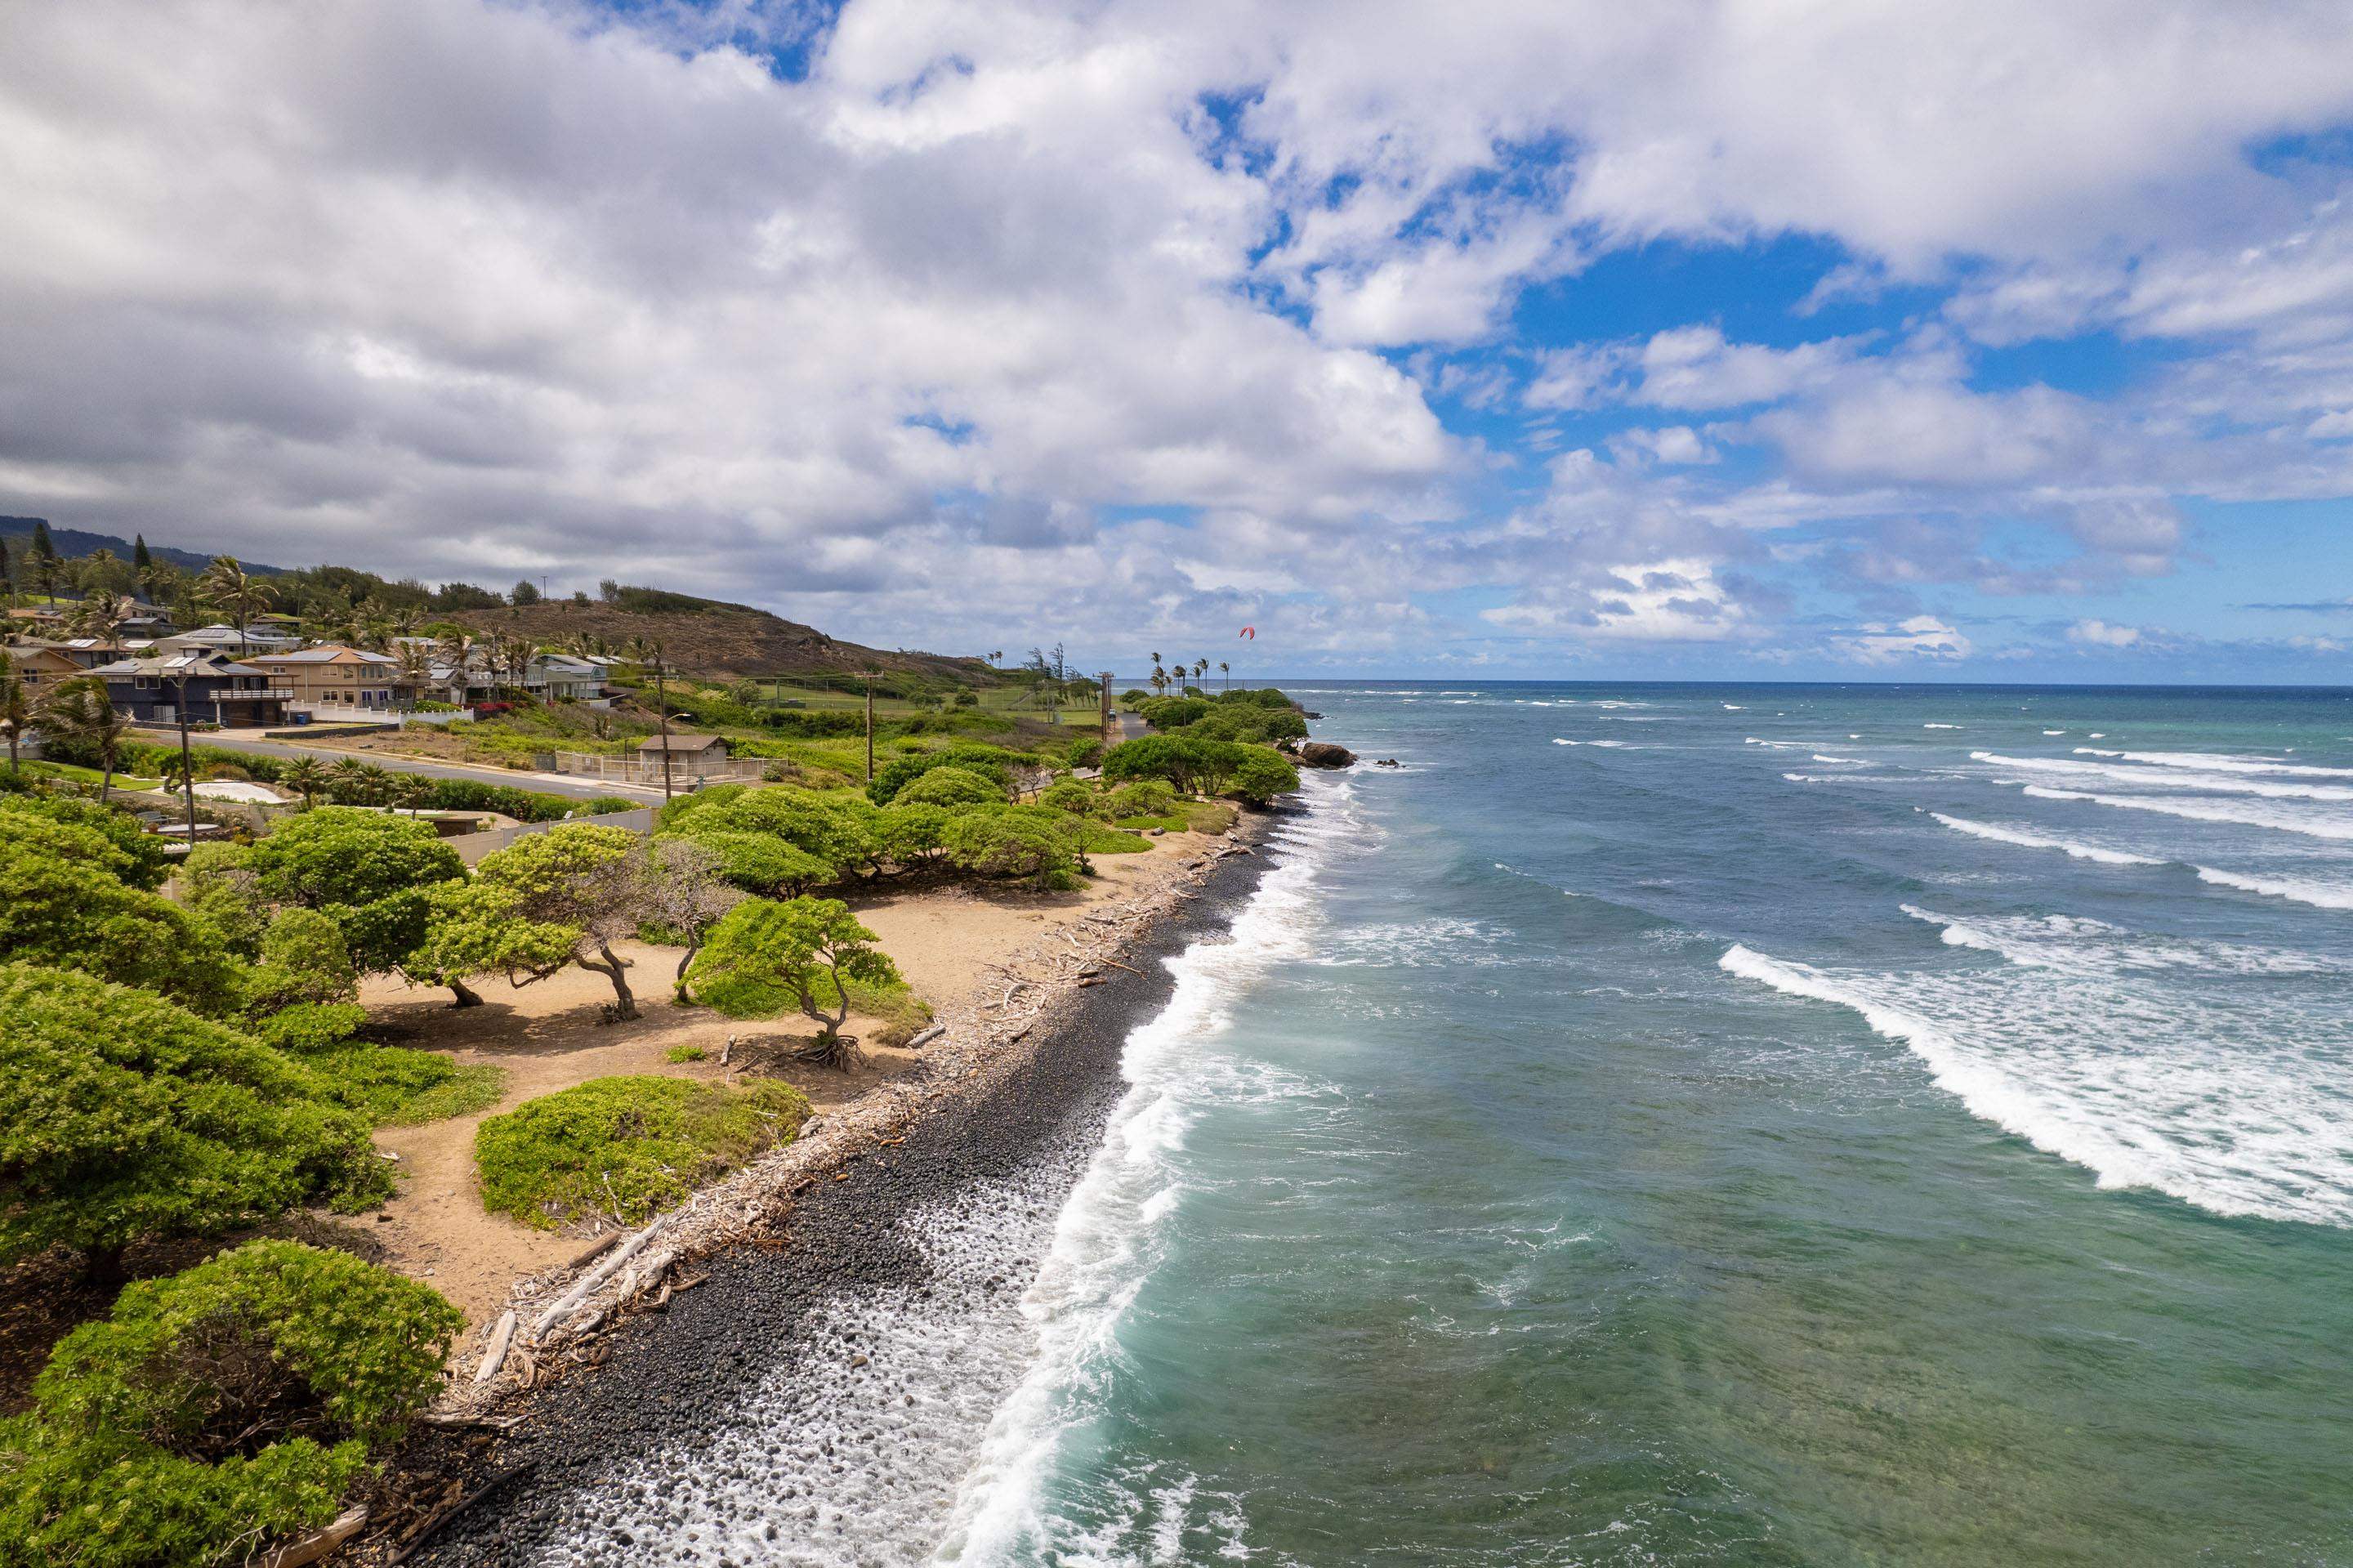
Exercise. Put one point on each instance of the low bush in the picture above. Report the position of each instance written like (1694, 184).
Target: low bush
(626, 1147)
(212, 1411)
(1098, 839)
(991, 762)
(684, 1054)
(393, 1085)
(303, 962)
(951, 788)
(1035, 846)
(1074, 795)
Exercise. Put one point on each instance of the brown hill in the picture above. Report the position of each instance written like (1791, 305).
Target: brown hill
(702, 636)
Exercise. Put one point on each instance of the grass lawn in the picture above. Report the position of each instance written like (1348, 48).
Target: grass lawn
(89, 776)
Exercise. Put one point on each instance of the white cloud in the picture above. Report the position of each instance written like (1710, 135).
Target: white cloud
(1918, 637)
(2101, 634)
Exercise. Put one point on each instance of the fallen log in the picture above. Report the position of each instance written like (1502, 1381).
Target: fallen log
(501, 1338)
(319, 1543)
(596, 1276)
(928, 1035)
(441, 1517)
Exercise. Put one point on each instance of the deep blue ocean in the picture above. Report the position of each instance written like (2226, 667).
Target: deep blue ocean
(1748, 1125)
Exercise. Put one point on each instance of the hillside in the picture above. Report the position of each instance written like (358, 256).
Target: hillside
(721, 640)
(74, 543)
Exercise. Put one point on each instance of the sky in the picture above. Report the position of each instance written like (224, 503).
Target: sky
(1837, 340)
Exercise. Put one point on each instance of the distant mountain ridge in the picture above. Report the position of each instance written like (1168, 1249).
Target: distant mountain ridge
(72, 543)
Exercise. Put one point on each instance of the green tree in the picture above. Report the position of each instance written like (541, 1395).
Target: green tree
(80, 714)
(141, 858)
(226, 582)
(952, 788)
(335, 855)
(1033, 845)
(304, 962)
(124, 1117)
(804, 953)
(215, 882)
(685, 892)
(306, 775)
(16, 712)
(213, 1410)
(63, 904)
(551, 899)
(1260, 774)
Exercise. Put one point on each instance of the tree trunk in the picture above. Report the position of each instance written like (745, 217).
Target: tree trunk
(102, 1268)
(612, 968)
(693, 946)
(466, 998)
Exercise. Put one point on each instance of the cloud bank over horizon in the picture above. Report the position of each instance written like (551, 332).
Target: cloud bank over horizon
(1529, 339)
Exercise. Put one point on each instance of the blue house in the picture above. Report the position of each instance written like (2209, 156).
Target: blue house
(214, 690)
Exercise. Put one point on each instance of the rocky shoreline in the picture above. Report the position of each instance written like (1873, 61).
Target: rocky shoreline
(785, 1277)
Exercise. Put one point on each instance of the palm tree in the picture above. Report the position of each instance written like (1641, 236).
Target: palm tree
(15, 713)
(375, 783)
(306, 776)
(230, 584)
(79, 712)
(409, 791)
(1226, 673)
(347, 780)
(101, 615)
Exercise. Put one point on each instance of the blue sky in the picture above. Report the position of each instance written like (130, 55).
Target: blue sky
(1687, 341)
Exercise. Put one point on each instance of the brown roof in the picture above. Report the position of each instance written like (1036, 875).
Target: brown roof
(683, 742)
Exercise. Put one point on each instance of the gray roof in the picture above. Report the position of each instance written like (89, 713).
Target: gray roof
(327, 654)
(682, 743)
(177, 665)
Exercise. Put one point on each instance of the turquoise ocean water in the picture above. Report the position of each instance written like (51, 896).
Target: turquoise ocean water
(1746, 1125)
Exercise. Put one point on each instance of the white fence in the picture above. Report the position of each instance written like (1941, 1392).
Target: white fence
(685, 768)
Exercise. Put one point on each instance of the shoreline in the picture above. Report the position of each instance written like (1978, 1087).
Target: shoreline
(1005, 1108)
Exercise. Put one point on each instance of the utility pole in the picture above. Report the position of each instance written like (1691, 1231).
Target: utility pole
(187, 760)
(1106, 679)
(869, 726)
(662, 701)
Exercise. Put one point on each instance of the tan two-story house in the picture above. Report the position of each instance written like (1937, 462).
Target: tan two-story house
(331, 676)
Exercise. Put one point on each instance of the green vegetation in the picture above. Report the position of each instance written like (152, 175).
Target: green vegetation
(626, 1147)
(64, 904)
(124, 1117)
(684, 1054)
(553, 899)
(807, 954)
(231, 1402)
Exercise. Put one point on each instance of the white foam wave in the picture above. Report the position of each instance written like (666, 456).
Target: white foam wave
(1106, 1242)
(1856, 761)
(1940, 727)
(2074, 944)
(2240, 813)
(2319, 894)
(2225, 762)
(2129, 1080)
(1604, 744)
(2161, 778)
(2025, 840)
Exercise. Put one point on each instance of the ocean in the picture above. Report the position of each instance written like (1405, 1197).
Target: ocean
(1750, 1125)
(1753, 1125)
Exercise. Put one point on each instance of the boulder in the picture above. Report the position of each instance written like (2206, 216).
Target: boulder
(1324, 754)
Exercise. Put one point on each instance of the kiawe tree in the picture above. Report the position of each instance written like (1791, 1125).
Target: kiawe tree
(65, 904)
(544, 902)
(805, 954)
(369, 872)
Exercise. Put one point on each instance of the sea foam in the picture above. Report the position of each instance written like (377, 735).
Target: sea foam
(2299, 890)
(2025, 840)
(2241, 813)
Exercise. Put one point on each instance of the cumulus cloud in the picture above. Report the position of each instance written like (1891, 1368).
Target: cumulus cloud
(2100, 634)
(1917, 637)
(997, 314)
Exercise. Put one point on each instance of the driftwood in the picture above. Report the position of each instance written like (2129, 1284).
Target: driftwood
(319, 1543)
(1114, 963)
(441, 1517)
(501, 1338)
(596, 1249)
(571, 1300)
(927, 1036)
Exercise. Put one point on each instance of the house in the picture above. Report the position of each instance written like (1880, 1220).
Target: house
(231, 640)
(334, 676)
(89, 653)
(211, 689)
(682, 746)
(564, 677)
(40, 665)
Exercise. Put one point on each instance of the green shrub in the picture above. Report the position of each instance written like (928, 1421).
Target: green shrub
(310, 1027)
(143, 863)
(338, 856)
(216, 883)
(684, 1054)
(836, 829)
(393, 1085)
(1032, 844)
(211, 1411)
(304, 963)
(1172, 713)
(124, 1117)
(63, 904)
(913, 837)
(625, 1147)
(758, 862)
(1099, 839)
(1074, 795)
(1260, 774)
(991, 762)
(952, 788)
(1143, 798)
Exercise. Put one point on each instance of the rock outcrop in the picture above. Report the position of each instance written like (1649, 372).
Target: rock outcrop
(1324, 754)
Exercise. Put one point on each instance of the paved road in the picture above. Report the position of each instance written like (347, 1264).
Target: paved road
(547, 783)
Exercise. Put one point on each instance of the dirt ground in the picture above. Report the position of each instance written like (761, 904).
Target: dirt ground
(551, 1035)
